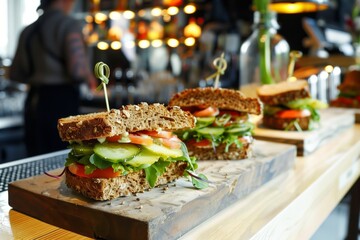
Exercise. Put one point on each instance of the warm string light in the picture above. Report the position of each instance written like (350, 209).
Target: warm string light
(191, 31)
(156, 12)
(190, 9)
(144, 43)
(100, 17)
(115, 45)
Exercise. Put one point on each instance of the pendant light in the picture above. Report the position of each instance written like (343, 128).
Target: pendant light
(301, 6)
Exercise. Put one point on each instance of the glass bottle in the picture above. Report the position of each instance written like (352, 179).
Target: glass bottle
(249, 51)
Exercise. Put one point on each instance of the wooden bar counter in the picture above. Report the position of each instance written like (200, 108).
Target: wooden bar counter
(292, 206)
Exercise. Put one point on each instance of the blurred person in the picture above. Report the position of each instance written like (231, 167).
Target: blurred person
(51, 58)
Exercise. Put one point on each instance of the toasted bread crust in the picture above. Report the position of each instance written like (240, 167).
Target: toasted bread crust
(129, 118)
(351, 82)
(109, 188)
(282, 123)
(222, 98)
(219, 153)
(284, 92)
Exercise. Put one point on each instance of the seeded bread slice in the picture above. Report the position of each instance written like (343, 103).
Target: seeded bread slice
(283, 92)
(283, 123)
(216, 97)
(109, 188)
(129, 118)
(208, 153)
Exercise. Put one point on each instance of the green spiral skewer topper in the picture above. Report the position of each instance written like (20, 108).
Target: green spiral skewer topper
(102, 72)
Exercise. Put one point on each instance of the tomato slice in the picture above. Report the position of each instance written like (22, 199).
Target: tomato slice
(201, 143)
(233, 114)
(158, 134)
(140, 139)
(79, 170)
(174, 142)
(207, 112)
(346, 101)
(292, 113)
(113, 138)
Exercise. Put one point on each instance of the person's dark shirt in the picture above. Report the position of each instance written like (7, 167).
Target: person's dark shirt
(52, 52)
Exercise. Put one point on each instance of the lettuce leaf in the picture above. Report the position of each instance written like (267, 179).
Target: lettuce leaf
(155, 170)
(92, 162)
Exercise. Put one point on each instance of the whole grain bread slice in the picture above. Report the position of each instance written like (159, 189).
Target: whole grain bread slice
(222, 98)
(219, 153)
(283, 92)
(129, 118)
(286, 123)
(109, 188)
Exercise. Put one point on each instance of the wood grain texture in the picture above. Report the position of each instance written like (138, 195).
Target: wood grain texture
(293, 205)
(333, 121)
(159, 213)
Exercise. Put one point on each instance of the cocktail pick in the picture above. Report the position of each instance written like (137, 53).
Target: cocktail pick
(220, 64)
(102, 72)
(294, 56)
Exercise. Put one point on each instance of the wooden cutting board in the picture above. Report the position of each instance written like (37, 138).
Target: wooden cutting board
(332, 121)
(357, 115)
(162, 213)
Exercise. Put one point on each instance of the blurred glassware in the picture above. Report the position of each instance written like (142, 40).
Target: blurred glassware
(249, 51)
(323, 81)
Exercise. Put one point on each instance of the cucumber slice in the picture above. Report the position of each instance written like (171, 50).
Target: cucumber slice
(144, 157)
(240, 128)
(205, 120)
(164, 151)
(222, 120)
(82, 150)
(214, 131)
(202, 122)
(116, 152)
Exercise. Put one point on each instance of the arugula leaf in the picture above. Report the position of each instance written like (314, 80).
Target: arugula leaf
(84, 160)
(232, 139)
(160, 167)
(186, 156)
(99, 162)
(192, 165)
(155, 170)
(200, 184)
(151, 175)
(70, 160)
(118, 167)
(89, 169)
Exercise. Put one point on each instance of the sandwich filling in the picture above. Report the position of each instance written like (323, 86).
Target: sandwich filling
(216, 126)
(349, 98)
(295, 110)
(349, 95)
(151, 151)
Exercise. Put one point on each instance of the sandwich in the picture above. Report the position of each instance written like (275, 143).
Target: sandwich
(125, 151)
(223, 130)
(289, 106)
(349, 96)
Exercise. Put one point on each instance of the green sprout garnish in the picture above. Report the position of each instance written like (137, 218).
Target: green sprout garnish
(220, 64)
(102, 72)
